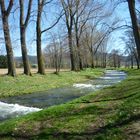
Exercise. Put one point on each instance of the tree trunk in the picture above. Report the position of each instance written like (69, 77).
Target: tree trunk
(131, 62)
(92, 61)
(114, 61)
(8, 44)
(24, 52)
(96, 60)
(79, 56)
(9, 50)
(92, 57)
(104, 66)
(71, 51)
(137, 61)
(78, 46)
(41, 67)
(138, 64)
(131, 4)
(23, 26)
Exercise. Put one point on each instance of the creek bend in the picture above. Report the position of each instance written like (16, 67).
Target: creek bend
(15, 106)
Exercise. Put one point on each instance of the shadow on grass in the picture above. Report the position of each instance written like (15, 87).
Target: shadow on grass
(112, 99)
(92, 133)
(116, 99)
(67, 135)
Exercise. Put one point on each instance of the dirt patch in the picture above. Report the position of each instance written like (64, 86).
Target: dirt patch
(133, 131)
(20, 71)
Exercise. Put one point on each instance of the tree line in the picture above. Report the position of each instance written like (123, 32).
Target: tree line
(87, 31)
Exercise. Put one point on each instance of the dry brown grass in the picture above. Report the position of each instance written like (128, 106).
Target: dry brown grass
(20, 71)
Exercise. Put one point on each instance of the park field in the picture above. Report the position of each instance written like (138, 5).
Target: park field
(112, 113)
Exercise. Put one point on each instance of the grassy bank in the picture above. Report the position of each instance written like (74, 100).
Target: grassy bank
(112, 113)
(23, 84)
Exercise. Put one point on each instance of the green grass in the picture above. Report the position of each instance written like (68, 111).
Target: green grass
(23, 84)
(112, 113)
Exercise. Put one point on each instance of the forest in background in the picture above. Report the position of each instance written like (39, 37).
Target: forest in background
(77, 31)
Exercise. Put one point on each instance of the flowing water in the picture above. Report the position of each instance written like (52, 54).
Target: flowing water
(20, 105)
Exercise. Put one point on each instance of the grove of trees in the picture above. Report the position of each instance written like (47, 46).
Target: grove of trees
(77, 33)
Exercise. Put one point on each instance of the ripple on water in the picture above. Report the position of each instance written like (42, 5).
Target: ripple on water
(88, 86)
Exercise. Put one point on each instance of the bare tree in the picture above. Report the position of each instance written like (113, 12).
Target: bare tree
(95, 39)
(57, 49)
(131, 5)
(85, 11)
(41, 67)
(115, 58)
(78, 26)
(103, 50)
(69, 12)
(90, 37)
(39, 32)
(130, 48)
(5, 14)
(23, 27)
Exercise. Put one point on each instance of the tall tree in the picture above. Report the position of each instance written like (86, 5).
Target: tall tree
(85, 11)
(23, 27)
(39, 32)
(5, 14)
(130, 48)
(69, 12)
(131, 5)
(79, 25)
(41, 67)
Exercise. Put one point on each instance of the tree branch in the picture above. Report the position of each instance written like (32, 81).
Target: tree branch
(28, 13)
(52, 24)
(9, 7)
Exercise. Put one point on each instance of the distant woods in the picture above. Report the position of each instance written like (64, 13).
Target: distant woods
(77, 34)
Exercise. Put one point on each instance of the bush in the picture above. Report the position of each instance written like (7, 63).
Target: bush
(34, 65)
(3, 61)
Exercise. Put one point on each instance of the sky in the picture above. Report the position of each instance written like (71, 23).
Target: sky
(51, 11)
(122, 13)
(49, 16)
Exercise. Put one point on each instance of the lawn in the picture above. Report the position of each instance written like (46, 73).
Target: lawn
(112, 113)
(23, 84)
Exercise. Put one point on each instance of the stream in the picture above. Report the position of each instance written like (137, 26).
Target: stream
(12, 107)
